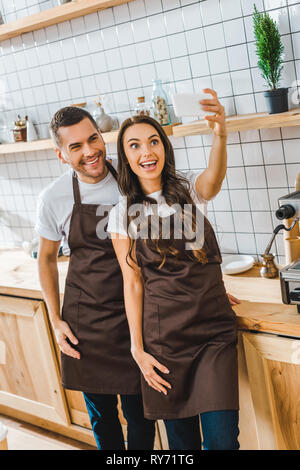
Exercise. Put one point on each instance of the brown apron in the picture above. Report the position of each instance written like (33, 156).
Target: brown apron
(94, 309)
(190, 327)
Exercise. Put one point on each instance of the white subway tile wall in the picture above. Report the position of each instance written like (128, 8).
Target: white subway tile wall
(190, 45)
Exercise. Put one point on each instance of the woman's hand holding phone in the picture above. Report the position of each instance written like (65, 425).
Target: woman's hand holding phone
(216, 122)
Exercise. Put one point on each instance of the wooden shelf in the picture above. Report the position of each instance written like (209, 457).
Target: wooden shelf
(243, 122)
(46, 144)
(43, 144)
(55, 15)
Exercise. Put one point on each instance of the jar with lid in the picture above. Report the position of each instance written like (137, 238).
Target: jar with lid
(20, 130)
(142, 108)
(159, 102)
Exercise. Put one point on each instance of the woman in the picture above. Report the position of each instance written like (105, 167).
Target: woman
(182, 327)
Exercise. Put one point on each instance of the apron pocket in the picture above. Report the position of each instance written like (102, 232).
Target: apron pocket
(70, 308)
(151, 328)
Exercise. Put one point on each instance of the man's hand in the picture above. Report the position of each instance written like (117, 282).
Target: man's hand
(62, 333)
(233, 300)
(217, 122)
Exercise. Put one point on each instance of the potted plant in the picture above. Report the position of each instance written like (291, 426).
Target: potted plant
(269, 50)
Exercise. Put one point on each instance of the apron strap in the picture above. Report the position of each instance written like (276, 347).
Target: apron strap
(76, 191)
(112, 170)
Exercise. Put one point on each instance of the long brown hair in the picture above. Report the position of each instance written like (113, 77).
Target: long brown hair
(175, 188)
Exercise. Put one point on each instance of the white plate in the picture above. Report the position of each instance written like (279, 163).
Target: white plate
(234, 264)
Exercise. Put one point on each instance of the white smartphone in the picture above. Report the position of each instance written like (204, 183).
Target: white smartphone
(188, 104)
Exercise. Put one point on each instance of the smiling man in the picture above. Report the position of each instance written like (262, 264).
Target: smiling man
(92, 330)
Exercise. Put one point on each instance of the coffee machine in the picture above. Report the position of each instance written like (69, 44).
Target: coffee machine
(289, 211)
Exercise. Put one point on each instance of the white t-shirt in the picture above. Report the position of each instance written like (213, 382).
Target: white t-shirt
(117, 221)
(55, 204)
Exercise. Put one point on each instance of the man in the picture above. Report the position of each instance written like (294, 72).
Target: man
(92, 333)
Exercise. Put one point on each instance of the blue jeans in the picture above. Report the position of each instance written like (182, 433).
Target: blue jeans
(219, 428)
(107, 429)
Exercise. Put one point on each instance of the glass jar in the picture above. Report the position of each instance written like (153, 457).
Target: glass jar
(141, 107)
(159, 102)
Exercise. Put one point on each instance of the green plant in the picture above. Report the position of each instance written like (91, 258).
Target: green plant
(269, 47)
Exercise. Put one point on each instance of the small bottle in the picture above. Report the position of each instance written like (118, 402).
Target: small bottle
(31, 133)
(141, 108)
(159, 102)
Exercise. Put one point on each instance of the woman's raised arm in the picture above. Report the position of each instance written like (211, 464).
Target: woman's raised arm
(210, 181)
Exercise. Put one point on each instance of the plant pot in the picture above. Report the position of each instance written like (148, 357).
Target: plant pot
(277, 100)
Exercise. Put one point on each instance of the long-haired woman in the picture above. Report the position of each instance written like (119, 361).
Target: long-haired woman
(183, 329)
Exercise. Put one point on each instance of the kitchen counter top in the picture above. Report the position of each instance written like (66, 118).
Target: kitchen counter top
(19, 274)
(261, 308)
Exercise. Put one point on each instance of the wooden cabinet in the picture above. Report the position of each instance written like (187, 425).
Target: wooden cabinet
(29, 370)
(273, 365)
(269, 384)
(77, 408)
(269, 360)
(30, 386)
(29, 375)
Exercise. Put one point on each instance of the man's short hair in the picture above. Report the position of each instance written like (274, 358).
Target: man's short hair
(65, 117)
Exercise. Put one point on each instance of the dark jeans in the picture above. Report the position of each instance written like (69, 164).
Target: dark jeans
(103, 413)
(219, 428)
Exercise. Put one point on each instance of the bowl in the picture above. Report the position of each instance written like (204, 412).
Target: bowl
(234, 264)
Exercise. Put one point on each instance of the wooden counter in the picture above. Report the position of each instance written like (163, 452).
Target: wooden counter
(261, 308)
(269, 359)
(19, 274)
